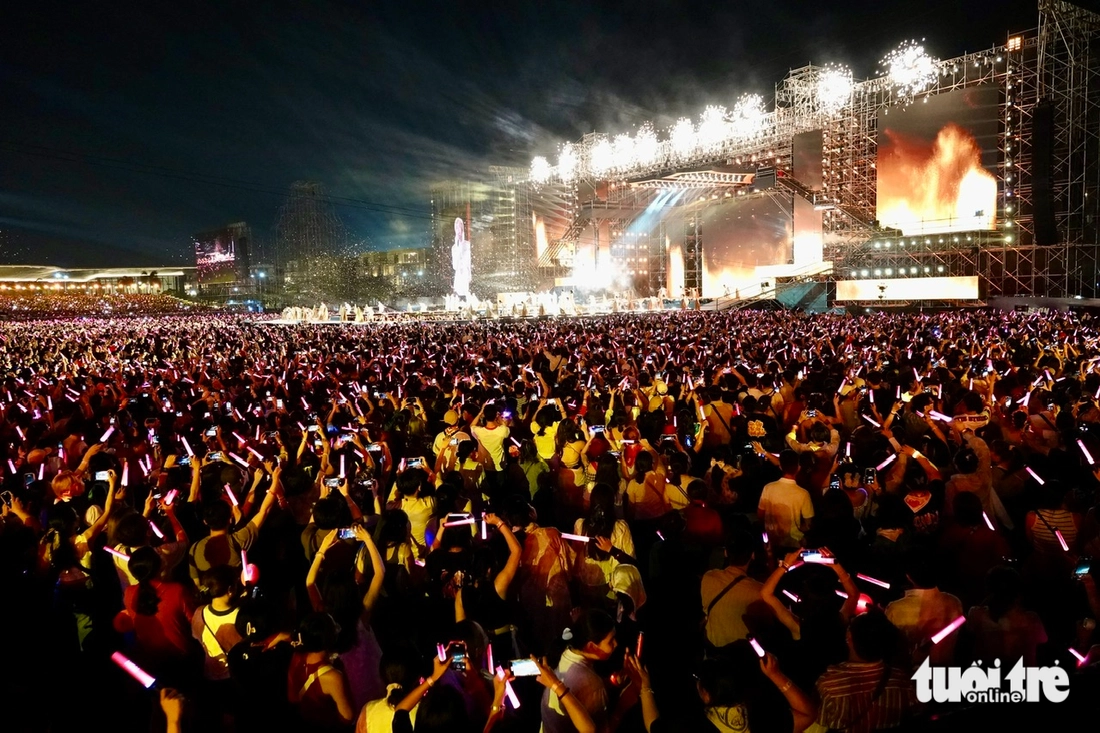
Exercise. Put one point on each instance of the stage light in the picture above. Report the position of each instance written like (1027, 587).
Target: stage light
(567, 163)
(540, 170)
(682, 137)
(1015, 43)
(834, 88)
(910, 69)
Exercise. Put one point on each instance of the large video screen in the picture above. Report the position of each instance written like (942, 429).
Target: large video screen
(741, 235)
(936, 163)
(216, 257)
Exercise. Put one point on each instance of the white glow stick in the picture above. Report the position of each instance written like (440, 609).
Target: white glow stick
(842, 594)
(988, 522)
(508, 689)
(143, 678)
(187, 447)
(947, 630)
(1078, 655)
(874, 581)
(156, 530)
(107, 434)
(460, 522)
(940, 416)
(232, 497)
(757, 648)
(238, 459)
(876, 424)
(341, 463)
(1034, 475)
(792, 596)
(575, 537)
(1088, 456)
(260, 456)
(889, 459)
(116, 553)
(1025, 400)
(41, 471)
(12, 466)
(484, 530)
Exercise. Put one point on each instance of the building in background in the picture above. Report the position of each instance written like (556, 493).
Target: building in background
(311, 246)
(398, 271)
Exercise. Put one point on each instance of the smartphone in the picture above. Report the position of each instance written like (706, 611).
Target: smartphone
(112, 421)
(153, 439)
(271, 435)
(1083, 567)
(415, 463)
(102, 476)
(524, 668)
(834, 481)
(454, 441)
(377, 447)
(816, 556)
(457, 650)
(313, 428)
(28, 479)
(211, 432)
(868, 476)
(6, 497)
(185, 461)
(214, 456)
(346, 533)
(811, 413)
(332, 483)
(279, 404)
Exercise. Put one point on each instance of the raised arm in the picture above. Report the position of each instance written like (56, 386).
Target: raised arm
(379, 568)
(767, 594)
(515, 553)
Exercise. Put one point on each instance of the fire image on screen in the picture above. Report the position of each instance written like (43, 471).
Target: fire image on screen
(935, 163)
(741, 235)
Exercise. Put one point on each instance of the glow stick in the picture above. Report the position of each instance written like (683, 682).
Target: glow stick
(142, 677)
(22, 407)
(187, 447)
(757, 648)
(842, 594)
(1078, 655)
(1034, 475)
(875, 581)
(848, 449)
(508, 689)
(49, 403)
(1088, 456)
(239, 438)
(41, 471)
(460, 522)
(170, 497)
(1061, 540)
(898, 395)
(304, 403)
(116, 553)
(659, 535)
(638, 648)
(229, 493)
(940, 416)
(876, 424)
(841, 387)
(792, 596)
(238, 459)
(947, 630)
(576, 537)
(823, 560)
(441, 652)
(260, 456)
(889, 459)
(484, 530)
(916, 375)
(107, 434)
(156, 530)
(765, 536)
(341, 463)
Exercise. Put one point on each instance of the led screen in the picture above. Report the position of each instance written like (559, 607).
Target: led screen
(740, 235)
(936, 163)
(216, 257)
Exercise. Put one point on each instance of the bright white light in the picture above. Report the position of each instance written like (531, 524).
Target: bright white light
(567, 163)
(910, 69)
(646, 147)
(682, 137)
(602, 158)
(834, 88)
(748, 116)
(540, 170)
(623, 152)
(714, 127)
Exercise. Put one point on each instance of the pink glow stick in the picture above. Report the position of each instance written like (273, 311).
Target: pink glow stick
(792, 596)
(842, 594)
(107, 435)
(1061, 540)
(484, 530)
(889, 459)
(489, 656)
(241, 440)
(876, 424)
(1078, 655)
(441, 652)
(757, 648)
(142, 677)
(260, 456)
(940, 416)
(170, 497)
(638, 647)
(947, 630)
(341, 464)
(41, 471)
(12, 466)
(20, 431)
(988, 522)
(460, 522)
(187, 446)
(1034, 475)
(229, 493)
(156, 530)
(238, 459)
(1088, 456)
(875, 581)
(764, 535)
(575, 537)
(116, 553)
(508, 689)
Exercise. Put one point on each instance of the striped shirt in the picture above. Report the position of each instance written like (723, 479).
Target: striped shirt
(1043, 537)
(848, 701)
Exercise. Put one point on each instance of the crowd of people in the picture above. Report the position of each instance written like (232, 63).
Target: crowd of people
(641, 522)
(22, 305)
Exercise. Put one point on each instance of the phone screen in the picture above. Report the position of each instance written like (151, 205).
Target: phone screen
(834, 482)
(346, 533)
(416, 463)
(332, 483)
(1083, 567)
(102, 476)
(524, 668)
(869, 476)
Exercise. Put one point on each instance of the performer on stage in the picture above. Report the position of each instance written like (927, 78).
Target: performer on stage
(460, 260)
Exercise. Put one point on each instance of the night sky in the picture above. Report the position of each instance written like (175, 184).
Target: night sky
(126, 128)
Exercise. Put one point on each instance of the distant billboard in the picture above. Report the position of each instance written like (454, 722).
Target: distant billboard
(908, 288)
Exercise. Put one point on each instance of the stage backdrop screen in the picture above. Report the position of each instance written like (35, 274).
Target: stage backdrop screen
(741, 234)
(216, 257)
(936, 163)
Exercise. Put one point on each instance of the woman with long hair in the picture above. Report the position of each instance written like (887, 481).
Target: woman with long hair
(610, 544)
(316, 683)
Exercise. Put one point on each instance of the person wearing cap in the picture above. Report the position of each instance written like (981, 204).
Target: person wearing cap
(452, 431)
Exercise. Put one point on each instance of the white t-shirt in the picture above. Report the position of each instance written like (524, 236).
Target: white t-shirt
(785, 504)
(493, 442)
